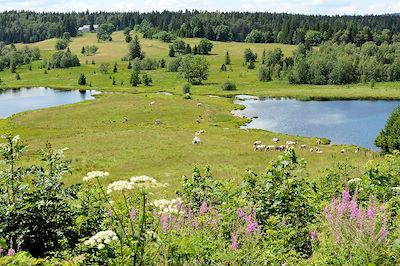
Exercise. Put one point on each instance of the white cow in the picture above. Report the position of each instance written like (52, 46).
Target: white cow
(261, 147)
(152, 103)
(196, 140)
(275, 139)
(303, 146)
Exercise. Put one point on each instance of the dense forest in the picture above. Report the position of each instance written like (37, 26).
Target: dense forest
(26, 26)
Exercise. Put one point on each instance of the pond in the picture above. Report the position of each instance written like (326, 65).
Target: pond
(355, 122)
(18, 100)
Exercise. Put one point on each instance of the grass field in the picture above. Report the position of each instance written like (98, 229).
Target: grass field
(98, 139)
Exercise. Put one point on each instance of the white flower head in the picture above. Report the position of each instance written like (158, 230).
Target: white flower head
(145, 182)
(119, 186)
(101, 239)
(94, 174)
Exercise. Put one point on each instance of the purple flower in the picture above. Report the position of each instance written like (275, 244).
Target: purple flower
(251, 225)
(132, 214)
(234, 243)
(354, 211)
(165, 221)
(109, 212)
(203, 208)
(11, 252)
(314, 235)
(195, 223)
(371, 212)
(240, 213)
(345, 197)
(190, 213)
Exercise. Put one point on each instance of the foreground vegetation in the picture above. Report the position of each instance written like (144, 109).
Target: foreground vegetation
(273, 218)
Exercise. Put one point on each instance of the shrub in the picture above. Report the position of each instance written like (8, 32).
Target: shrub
(223, 67)
(186, 88)
(147, 79)
(82, 80)
(104, 68)
(17, 76)
(149, 64)
(249, 55)
(264, 73)
(251, 65)
(229, 85)
(174, 64)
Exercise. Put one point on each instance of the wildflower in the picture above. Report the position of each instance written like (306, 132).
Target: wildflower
(167, 206)
(11, 252)
(132, 214)
(240, 213)
(203, 208)
(94, 174)
(234, 243)
(371, 212)
(119, 186)
(345, 197)
(102, 237)
(354, 211)
(109, 212)
(165, 222)
(251, 225)
(314, 235)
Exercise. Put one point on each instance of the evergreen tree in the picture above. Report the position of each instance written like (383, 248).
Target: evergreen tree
(389, 138)
(227, 58)
(83, 51)
(171, 52)
(129, 65)
(135, 50)
(188, 49)
(17, 76)
(82, 80)
(115, 68)
(135, 79)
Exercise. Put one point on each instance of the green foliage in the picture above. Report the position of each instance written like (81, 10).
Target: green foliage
(313, 37)
(104, 68)
(135, 50)
(147, 79)
(162, 63)
(104, 32)
(223, 67)
(17, 76)
(135, 79)
(255, 36)
(389, 138)
(61, 44)
(251, 65)
(82, 80)
(186, 88)
(227, 58)
(171, 52)
(194, 69)
(229, 86)
(174, 64)
(264, 73)
(115, 69)
(10, 57)
(164, 36)
(204, 47)
(64, 59)
(249, 55)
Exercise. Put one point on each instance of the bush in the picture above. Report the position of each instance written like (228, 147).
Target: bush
(229, 85)
(82, 80)
(149, 64)
(147, 79)
(174, 64)
(264, 73)
(61, 44)
(249, 55)
(251, 65)
(64, 59)
(186, 88)
(17, 76)
(104, 68)
(223, 67)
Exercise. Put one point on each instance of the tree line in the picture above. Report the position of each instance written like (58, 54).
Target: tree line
(27, 26)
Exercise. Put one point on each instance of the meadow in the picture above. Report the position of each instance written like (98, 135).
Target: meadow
(97, 137)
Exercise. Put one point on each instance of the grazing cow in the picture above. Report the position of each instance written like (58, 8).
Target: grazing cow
(275, 139)
(342, 151)
(318, 142)
(198, 121)
(357, 150)
(303, 146)
(290, 142)
(125, 119)
(196, 140)
(261, 147)
(311, 150)
(152, 102)
(199, 104)
(316, 149)
(157, 122)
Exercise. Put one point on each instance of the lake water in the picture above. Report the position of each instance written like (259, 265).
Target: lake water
(343, 122)
(18, 100)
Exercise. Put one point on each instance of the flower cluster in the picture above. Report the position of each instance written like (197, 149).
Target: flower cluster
(101, 239)
(347, 220)
(119, 186)
(94, 174)
(168, 206)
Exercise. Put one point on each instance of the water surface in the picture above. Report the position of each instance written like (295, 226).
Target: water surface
(343, 122)
(18, 100)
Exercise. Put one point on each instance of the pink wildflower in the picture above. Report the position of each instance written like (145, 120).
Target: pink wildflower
(371, 212)
(165, 222)
(354, 211)
(11, 252)
(251, 225)
(234, 243)
(132, 214)
(345, 197)
(314, 235)
(203, 208)
(240, 213)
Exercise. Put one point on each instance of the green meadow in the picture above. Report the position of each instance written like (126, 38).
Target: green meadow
(98, 138)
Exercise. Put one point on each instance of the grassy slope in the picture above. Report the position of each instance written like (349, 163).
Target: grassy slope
(246, 79)
(98, 139)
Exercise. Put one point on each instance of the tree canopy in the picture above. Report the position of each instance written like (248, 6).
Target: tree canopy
(389, 138)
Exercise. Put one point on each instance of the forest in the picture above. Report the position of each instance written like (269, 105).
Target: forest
(28, 27)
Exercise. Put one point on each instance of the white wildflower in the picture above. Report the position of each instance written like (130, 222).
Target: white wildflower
(167, 206)
(119, 186)
(145, 182)
(354, 180)
(95, 174)
(101, 238)
(15, 139)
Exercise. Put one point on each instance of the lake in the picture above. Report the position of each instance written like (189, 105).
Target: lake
(355, 122)
(18, 100)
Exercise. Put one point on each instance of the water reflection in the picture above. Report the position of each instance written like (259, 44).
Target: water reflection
(344, 122)
(18, 100)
